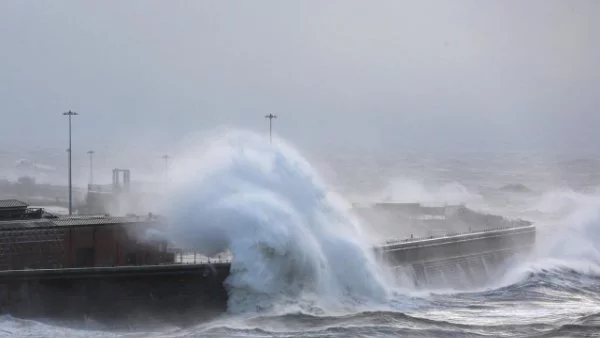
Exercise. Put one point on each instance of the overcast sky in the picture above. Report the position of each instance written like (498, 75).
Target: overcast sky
(478, 75)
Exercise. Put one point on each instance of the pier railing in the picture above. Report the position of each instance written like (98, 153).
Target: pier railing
(195, 257)
(453, 234)
(49, 251)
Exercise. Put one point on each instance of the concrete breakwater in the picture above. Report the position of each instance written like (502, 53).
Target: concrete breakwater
(173, 293)
(460, 261)
(180, 291)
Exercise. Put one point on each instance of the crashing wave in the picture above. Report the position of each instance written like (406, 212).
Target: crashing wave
(292, 239)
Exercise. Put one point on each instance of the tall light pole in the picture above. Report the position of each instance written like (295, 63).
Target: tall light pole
(70, 114)
(91, 153)
(166, 158)
(270, 117)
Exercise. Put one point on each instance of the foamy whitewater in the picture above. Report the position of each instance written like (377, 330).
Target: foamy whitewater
(301, 264)
(292, 240)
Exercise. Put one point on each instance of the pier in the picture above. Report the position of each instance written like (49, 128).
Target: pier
(106, 267)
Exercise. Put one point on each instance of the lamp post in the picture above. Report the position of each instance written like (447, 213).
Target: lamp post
(166, 158)
(270, 117)
(91, 153)
(70, 114)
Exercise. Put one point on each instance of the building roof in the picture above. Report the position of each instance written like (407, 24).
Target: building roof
(74, 221)
(25, 224)
(97, 220)
(12, 203)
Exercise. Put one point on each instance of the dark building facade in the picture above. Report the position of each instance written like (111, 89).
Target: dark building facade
(30, 239)
(103, 267)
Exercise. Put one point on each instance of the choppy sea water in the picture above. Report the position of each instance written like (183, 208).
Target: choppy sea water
(555, 302)
(554, 293)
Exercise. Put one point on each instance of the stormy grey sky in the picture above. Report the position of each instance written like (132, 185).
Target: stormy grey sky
(476, 75)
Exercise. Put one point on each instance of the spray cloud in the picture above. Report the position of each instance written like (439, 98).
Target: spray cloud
(292, 240)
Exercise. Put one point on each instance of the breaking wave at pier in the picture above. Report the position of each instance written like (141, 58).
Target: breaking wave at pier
(292, 240)
(294, 244)
(570, 246)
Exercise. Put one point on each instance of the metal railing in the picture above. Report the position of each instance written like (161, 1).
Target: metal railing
(14, 256)
(195, 257)
(453, 234)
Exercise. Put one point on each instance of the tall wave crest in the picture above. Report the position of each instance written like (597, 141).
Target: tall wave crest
(292, 240)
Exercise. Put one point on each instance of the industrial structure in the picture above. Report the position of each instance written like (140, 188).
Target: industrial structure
(103, 199)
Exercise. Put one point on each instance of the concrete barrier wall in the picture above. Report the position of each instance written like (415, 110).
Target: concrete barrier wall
(459, 262)
(462, 262)
(117, 295)
(457, 246)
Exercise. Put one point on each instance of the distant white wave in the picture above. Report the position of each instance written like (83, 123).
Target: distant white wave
(403, 190)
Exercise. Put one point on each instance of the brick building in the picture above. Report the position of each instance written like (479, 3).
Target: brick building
(32, 239)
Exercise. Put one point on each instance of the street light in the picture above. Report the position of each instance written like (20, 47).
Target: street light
(166, 158)
(91, 153)
(270, 117)
(70, 150)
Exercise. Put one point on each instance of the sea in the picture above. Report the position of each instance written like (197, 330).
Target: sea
(302, 267)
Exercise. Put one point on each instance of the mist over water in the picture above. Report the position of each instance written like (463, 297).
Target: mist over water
(409, 191)
(572, 242)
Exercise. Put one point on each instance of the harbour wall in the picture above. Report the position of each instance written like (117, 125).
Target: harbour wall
(461, 261)
(173, 293)
(178, 292)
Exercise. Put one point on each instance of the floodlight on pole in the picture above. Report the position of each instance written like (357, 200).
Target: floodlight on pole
(91, 153)
(270, 117)
(70, 151)
(166, 158)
